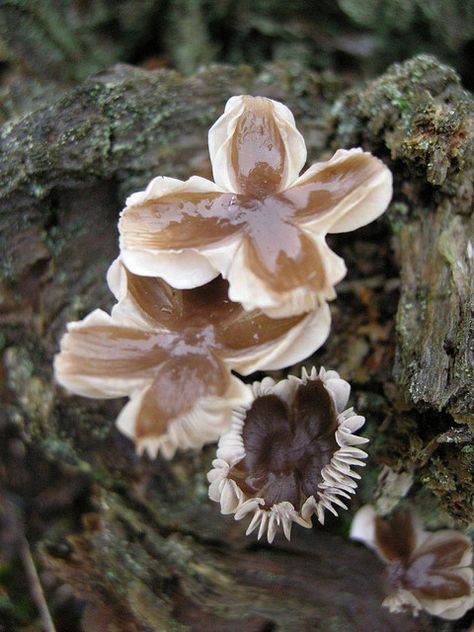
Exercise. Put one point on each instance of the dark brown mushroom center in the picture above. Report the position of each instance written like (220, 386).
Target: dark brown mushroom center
(287, 446)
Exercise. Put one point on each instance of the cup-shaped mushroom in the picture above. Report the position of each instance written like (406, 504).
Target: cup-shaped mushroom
(424, 570)
(289, 453)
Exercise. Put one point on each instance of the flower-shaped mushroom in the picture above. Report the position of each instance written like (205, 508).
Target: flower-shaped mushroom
(259, 225)
(172, 351)
(289, 453)
(430, 571)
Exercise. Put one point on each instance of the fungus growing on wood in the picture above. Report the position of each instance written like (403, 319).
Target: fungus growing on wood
(171, 352)
(429, 571)
(289, 453)
(259, 225)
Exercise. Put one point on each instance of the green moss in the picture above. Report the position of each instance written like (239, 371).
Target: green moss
(60, 43)
(397, 214)
(188, 53)
(421, 113)
(438, 478)
(35, 394)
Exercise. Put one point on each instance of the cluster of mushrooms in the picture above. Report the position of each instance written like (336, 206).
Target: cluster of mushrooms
(234, 276)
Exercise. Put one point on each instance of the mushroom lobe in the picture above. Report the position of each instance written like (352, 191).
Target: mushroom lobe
(427, 571)
(287, 445)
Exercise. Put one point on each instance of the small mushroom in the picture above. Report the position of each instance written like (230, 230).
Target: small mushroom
(289, 453)
(259, 225)
(425, 571)
(171, 352)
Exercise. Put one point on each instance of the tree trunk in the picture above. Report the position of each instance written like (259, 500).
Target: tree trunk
(152, 552)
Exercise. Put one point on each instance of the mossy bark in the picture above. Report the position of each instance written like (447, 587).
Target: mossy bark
(153, 553)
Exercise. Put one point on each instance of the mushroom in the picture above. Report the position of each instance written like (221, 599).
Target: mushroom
(171, 352)
(289, 453)
(429, 571)
(259, 225)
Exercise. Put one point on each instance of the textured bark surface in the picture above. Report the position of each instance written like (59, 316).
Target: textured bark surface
(152, 553)
(426, 121)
